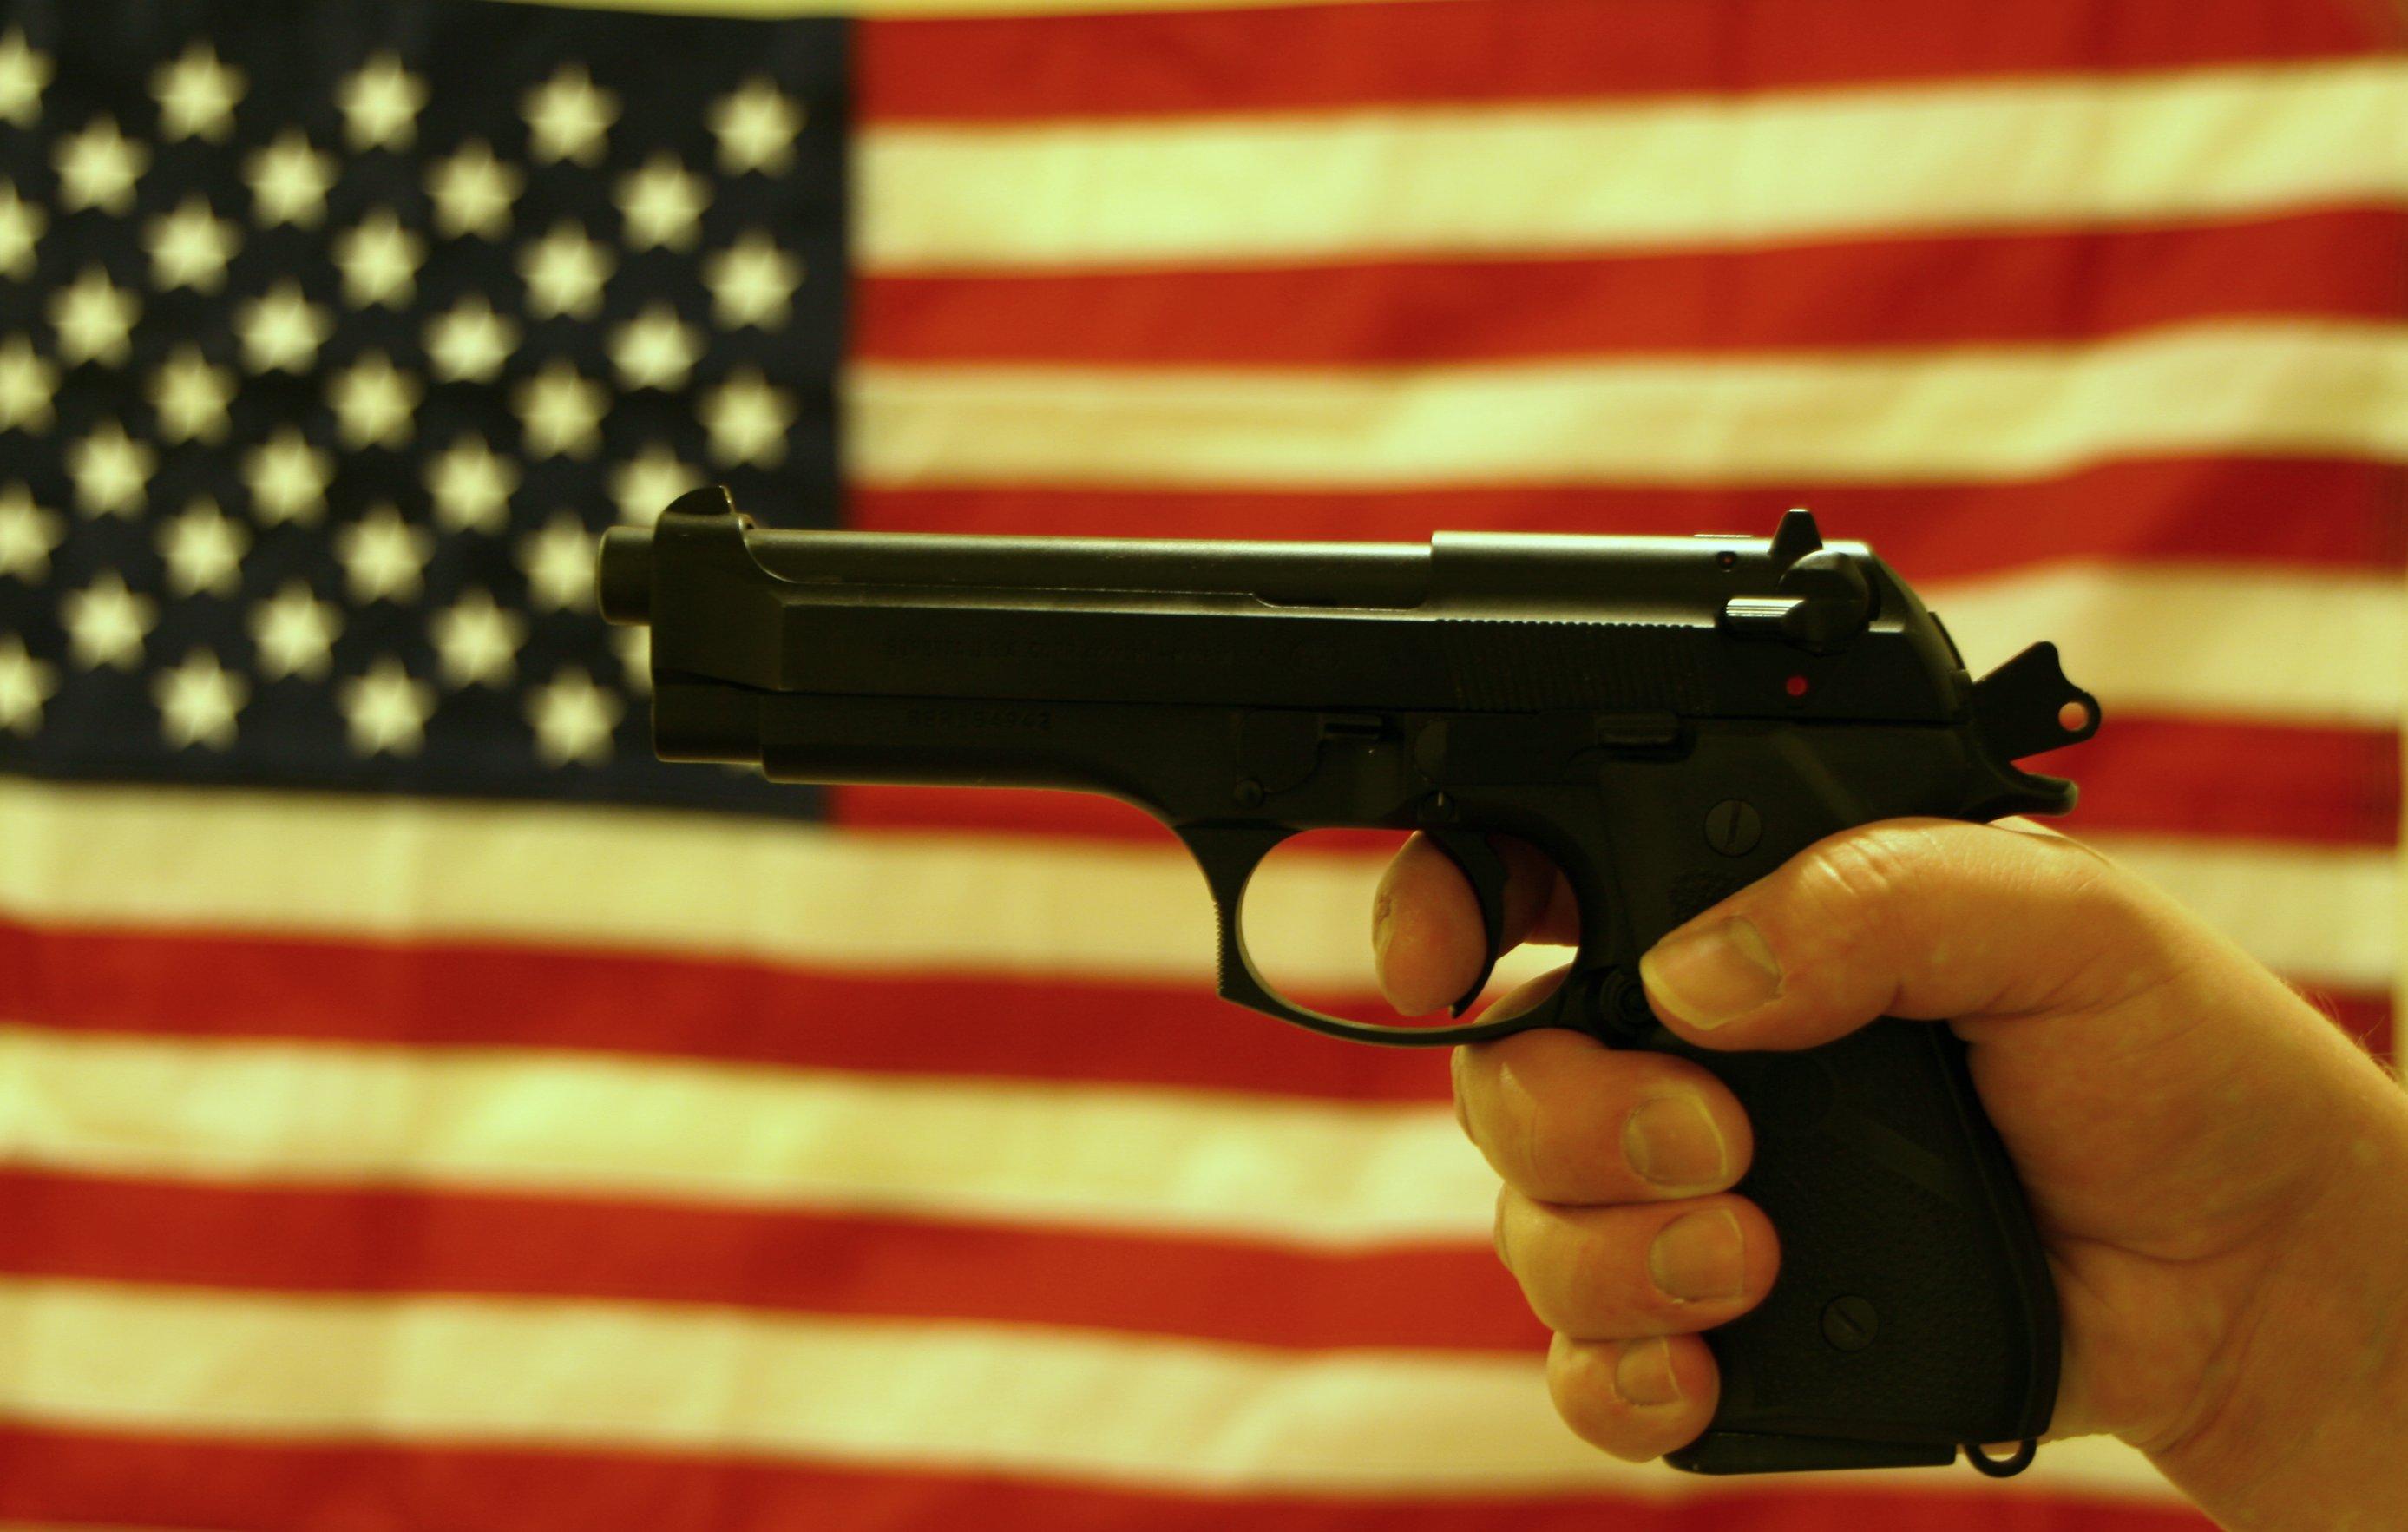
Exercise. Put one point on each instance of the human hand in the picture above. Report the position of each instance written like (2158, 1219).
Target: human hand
(2213, 1167)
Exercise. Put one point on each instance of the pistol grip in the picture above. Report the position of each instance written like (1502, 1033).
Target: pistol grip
(1914, 1312)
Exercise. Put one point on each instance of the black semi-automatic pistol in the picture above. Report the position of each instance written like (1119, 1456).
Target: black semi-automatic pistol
(1666, 719)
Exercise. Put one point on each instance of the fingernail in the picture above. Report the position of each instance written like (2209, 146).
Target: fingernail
(1709, 977)
(1643, 1374)
(1672, 1141)
(1697, 1256)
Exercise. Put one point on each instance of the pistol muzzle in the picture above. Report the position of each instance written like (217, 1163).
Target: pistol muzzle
(622, 580)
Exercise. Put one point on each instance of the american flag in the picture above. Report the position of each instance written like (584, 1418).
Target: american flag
(420, 1109)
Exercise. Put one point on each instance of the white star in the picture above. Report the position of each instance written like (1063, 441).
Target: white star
(565, 273)
(755, 127)
(282, 331)
(191, 397)
(288, 478)
(191, 246)
(562, 411)
(25, 685)
(289, 181)
(110, 470)
(473, 193)
(197, 702)
(21, 225)
(98, 167)
(477, 642)
(373, 402)
(751, 282)
(655, 349)
(95, 319)
(26, 384)
(634, 646)
(661, 204)
(203, 551)
(386, 709)
(382, 555)
(567, 117)
(559, 565)
(23, 75)
(380, 261)
(381, 102)
(27, 535)
(470, 485)
(646, 483)
(573, 718)
(634, 656)
(197, 95)
(294, 633)
(106, 623)
(469, 343)
(747, 418)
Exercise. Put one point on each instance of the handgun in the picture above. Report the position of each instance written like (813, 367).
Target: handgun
(1666, 719)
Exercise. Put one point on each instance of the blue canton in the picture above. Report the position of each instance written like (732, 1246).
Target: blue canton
(333, 334)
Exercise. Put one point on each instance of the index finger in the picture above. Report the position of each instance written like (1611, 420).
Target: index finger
(1427, 941)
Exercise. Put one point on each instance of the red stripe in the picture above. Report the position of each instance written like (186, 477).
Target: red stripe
(2331, 786)
(463, 996)
(2157, 775)
(2309, 511)
(2055, 285)
(2366, 1017)
(244, 1486)
(345, 1241)
(1308, 58)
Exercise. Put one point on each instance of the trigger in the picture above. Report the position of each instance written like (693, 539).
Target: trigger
(1484, 870)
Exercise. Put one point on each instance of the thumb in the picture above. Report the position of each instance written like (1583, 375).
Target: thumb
(1923, 918)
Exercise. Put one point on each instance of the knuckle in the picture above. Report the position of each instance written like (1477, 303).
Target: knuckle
(1580, 1381)
(1520, 1135)
(1870, 877)
(1604, 1285)
(1598, 1273)
(2116, 943)
(1554, 1165)
(1587, 1381)
(1484, 1107)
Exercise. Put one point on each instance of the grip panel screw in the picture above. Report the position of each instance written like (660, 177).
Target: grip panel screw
(1733, 827)
(1850, 1322)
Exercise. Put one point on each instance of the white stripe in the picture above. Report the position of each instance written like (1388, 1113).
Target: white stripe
(2275, 644)
(1527, 179)
(1988, 413)
(348, 868)
(2324, 916)
(1137, 1412)
(1313, 1174)
(1296, 1171)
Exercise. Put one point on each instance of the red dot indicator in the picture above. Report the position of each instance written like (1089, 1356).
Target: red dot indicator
(1795, 686)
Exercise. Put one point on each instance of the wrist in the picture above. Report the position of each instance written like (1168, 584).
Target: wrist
(2300, 1411)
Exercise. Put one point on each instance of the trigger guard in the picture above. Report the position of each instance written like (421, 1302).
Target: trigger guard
(1228, 855)
(1484, 870)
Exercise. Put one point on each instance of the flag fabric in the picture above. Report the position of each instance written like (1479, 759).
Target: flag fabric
(421, 1110)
